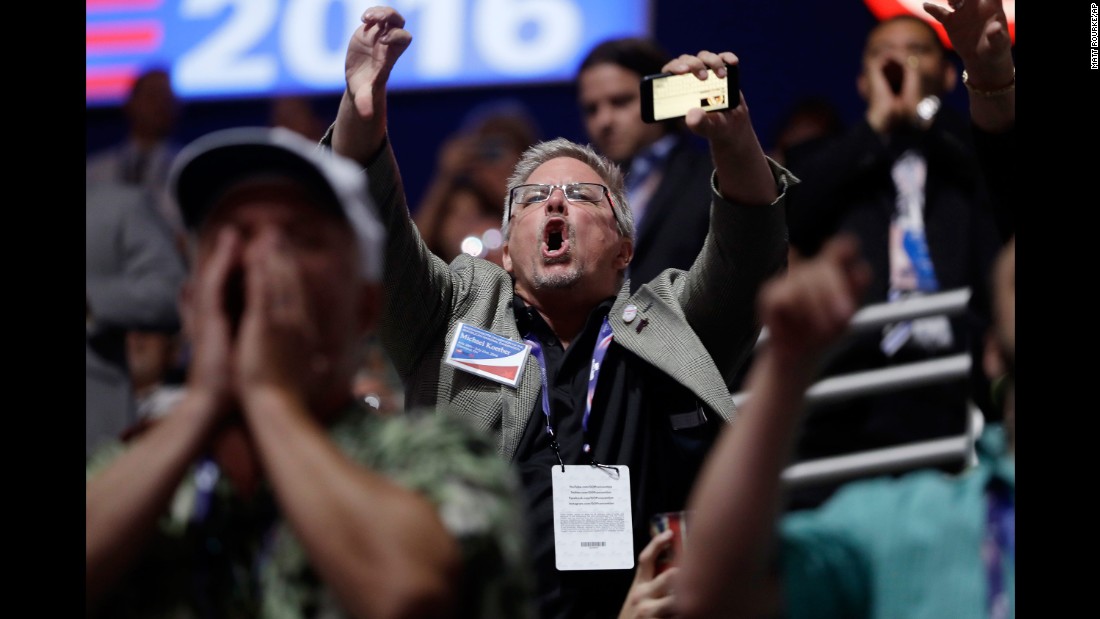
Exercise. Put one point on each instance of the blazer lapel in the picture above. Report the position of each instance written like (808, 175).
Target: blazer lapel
(663, 338)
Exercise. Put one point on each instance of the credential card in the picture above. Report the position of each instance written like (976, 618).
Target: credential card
(592, 523)
(487, 354)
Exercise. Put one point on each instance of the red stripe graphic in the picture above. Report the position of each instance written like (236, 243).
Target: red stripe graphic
(95, 6)
(110, 83)
(508, 371)
(132, 37)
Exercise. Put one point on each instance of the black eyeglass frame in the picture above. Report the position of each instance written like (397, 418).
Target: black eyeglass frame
(565, 194)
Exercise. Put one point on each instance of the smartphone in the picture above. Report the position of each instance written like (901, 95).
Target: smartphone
(659, 523)
(666, 95)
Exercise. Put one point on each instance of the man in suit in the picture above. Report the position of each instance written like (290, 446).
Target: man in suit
(667, 173)
(920, 545)
(142, 159)
(586, 386)
(132, 279)
(905, 182)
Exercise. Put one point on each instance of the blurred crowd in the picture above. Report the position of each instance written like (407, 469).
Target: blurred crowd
(307, 397)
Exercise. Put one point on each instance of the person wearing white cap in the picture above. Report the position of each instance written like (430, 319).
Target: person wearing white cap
(268, 491)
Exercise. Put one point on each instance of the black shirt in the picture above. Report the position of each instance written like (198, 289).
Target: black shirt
(631, 424)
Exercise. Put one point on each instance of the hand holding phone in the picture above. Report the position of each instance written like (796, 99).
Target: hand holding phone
(677, 522)
(671, 95)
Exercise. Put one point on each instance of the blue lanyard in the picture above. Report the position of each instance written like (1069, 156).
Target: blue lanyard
(206, 480)
(603, 342)
(1000, 536)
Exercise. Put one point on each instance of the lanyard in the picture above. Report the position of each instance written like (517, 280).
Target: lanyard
(206, 479)
(598, 352)
(1000, 537)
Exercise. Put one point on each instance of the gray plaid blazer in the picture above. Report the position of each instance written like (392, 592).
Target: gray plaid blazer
(700, 324)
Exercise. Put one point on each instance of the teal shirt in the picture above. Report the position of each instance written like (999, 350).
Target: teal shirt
(242, 560)
(899, 548)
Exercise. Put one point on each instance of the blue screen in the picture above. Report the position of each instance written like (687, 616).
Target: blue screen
(219, 49)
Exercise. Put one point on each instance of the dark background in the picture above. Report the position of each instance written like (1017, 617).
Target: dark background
(788, 49)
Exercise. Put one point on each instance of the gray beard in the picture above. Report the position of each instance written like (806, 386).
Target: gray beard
(559, 280)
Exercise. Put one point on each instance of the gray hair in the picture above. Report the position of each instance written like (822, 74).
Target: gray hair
(612, 176)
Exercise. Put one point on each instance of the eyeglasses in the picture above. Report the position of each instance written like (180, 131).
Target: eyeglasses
(575, 193)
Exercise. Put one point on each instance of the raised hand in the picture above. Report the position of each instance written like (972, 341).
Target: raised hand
(210, 324)
(978, 30)
(743, 173)
(711, 125)
(650, 594)
(893, 92)
(277, 332)
(806, 310)
(372, 52)
(374, 47)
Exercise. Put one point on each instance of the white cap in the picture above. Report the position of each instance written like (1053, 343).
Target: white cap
(207, 167)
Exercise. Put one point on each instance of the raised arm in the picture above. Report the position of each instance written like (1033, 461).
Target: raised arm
(746, 242)
(726, 569)
(744, 176)
(373, 49)
(978, 30)
(382, 548)
(124, 500)
(418, 284)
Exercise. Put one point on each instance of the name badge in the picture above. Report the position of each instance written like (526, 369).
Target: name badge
(593, 529)
(487, 354)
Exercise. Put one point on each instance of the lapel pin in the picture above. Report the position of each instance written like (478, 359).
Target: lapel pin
(629, 312)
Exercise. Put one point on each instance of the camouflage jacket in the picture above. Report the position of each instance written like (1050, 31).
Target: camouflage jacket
(217, 555)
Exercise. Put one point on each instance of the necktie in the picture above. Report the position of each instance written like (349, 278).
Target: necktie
(911, 269)
(637, 190)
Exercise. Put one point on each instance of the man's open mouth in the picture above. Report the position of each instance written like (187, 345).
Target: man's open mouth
(555, 239)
